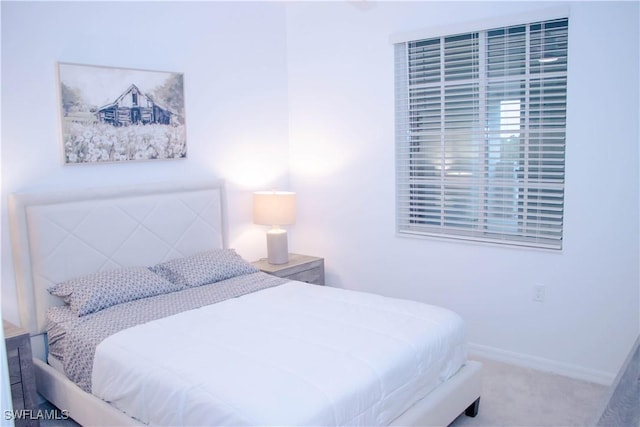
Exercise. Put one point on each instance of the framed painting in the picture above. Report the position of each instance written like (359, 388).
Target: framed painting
(110, 114)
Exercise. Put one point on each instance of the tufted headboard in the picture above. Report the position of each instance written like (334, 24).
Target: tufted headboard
(59, 235)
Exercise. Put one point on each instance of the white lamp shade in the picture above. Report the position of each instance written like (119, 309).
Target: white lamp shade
(274, 207)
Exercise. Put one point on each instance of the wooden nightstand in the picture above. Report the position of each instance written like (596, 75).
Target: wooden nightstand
(304, 268)
(21, 374)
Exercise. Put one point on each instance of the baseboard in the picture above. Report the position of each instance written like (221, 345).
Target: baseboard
(541, 364)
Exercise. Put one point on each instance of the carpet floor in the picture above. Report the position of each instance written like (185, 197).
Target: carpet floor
(515, 396)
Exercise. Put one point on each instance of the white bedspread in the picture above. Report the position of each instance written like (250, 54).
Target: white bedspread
(295, 354)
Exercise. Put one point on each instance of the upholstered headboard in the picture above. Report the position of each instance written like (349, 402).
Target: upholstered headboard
(60, 235)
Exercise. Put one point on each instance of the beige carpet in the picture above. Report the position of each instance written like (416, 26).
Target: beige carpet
(515, 396)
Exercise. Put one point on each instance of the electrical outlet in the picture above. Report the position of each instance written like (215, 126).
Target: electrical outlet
(538, 292)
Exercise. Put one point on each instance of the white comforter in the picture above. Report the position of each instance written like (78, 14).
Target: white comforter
(295, 354)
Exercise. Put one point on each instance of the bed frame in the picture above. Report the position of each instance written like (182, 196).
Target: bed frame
(59, 235)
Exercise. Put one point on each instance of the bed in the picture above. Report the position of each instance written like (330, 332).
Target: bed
(242, 348)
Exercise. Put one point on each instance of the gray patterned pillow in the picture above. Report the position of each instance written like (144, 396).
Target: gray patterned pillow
(94, 292)
(204, 268)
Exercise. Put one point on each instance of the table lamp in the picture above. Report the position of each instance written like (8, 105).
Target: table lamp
(275, 208)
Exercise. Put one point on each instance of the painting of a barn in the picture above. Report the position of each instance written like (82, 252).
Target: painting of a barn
(102, 123)
(134, 107)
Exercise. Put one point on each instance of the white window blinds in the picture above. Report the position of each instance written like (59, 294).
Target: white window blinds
(480, 134)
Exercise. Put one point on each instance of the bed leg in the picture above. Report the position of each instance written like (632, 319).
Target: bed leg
(472, 410)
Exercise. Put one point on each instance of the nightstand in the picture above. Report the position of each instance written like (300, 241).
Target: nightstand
(21, 374)
(304, 268)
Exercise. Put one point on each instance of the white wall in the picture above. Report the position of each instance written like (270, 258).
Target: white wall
(320, 75)
(234, 62)
(341, 113)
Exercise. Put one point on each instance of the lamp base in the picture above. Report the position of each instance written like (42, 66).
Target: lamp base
(277, 246)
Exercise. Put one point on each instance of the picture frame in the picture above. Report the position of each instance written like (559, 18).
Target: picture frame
(110, 114)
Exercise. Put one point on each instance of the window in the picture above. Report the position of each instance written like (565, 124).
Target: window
(480, 135)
